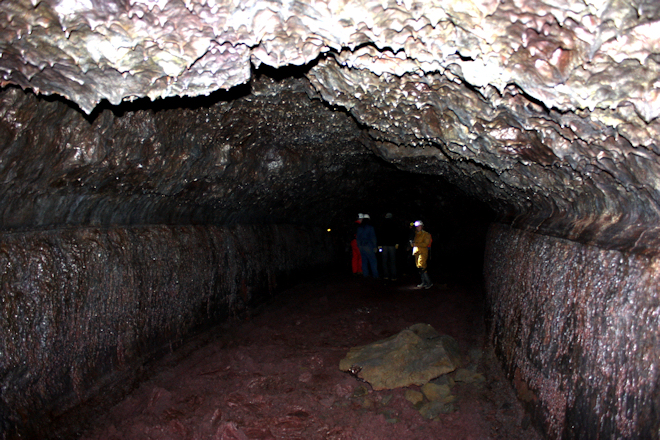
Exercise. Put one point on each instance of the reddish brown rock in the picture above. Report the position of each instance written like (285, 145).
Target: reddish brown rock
(178, 117)
(576, 327)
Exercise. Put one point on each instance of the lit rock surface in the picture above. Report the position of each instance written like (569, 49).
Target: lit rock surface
(413, 356)
(577, 328)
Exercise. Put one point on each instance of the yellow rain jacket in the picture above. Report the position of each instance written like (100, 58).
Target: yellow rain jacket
(421, 248)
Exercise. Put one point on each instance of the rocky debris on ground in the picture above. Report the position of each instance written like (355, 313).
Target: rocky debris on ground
(419, 359)
(435, 397)
(276, 377)
(413, 356)
(468, 375)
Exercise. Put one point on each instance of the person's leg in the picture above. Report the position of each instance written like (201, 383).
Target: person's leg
(391, 250)
(421, 276)
(365, 261)
(421, 265)
(420, 269)
(386, 262)
(427, 279)
(373, 264)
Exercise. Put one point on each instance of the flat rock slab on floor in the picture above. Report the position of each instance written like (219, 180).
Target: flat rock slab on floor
(413, 356)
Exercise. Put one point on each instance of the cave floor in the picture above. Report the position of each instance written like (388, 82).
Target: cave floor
(275, 375)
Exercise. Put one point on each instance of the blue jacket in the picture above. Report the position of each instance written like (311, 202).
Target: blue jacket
(366, 236)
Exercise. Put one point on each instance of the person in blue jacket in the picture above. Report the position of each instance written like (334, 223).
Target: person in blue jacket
(389, 242)
(366, 241)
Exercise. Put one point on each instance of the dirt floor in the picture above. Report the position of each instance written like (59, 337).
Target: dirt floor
(276, 375)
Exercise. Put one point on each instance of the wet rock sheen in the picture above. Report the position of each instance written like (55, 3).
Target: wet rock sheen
(83, 309)
(572, 325)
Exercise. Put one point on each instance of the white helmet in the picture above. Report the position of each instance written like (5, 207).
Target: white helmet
(366, 216)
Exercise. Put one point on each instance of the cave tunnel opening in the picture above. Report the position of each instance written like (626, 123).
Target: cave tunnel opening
(457, 222)
(104, 210)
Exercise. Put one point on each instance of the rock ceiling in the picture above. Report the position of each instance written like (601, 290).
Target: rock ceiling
(548, 110)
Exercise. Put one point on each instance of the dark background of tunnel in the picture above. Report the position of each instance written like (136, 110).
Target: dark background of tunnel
(457, 222)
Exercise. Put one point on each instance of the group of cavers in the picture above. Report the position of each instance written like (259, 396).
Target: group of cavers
(365, 246)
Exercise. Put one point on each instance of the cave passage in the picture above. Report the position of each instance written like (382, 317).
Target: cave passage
(168, 166)
(274, 373)
(134, 229)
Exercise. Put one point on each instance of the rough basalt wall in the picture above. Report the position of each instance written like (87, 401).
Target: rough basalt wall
(125, 230)
(578, 329)
(83, 309)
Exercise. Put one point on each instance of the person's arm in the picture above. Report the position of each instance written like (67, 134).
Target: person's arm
(427, 240)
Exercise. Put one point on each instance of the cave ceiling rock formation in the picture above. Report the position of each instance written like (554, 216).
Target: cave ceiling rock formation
(547, 110)
(240, 159)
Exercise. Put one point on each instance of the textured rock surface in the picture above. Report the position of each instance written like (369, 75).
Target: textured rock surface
(240, 161)
(271, 157)
(83, 309)
(276, 376)
(548, 110)
(577, 328)
(413, 356)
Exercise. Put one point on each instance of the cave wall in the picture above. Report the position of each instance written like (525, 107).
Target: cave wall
(578, 330)
(84, 308)
(227, 159)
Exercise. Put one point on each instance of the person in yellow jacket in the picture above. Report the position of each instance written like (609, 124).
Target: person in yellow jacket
(420, 250)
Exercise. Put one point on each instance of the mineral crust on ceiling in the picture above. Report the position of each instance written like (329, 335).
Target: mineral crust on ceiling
(568, 55)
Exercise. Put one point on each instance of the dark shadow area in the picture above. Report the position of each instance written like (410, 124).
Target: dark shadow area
(146, 104)
(284, 72)
(175, 102)
(457, 223)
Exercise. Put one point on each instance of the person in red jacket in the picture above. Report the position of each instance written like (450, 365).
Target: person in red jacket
(367, 243)
(420, 249)
(356, 260)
